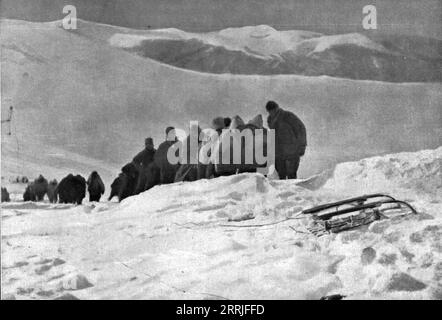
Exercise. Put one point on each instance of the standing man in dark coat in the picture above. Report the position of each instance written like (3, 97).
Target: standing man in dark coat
(95, 186)
(52, 194)
(143, 161)
(167, 170)
(40, 187)
(145, 157)
(290, 140)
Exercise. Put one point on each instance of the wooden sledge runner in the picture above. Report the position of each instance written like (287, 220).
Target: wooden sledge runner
(356, 200)
(331, 217)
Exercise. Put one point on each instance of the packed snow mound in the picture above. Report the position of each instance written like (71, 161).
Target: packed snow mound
(419, 171)
(254, 192)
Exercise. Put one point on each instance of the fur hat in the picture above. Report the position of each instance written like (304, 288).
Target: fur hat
(271, 105)
(257, 122)
(218, 123)
(237, 122)
(148, 141)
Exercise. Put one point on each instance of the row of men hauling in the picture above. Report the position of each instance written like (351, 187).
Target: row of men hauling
(152, 167)
(71, 189)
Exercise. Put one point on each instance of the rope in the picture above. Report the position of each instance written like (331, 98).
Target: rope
(264, 224)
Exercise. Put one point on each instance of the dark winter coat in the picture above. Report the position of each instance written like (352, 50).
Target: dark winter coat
(29, 194)
(123, 186)
(71, 189)
(145, 157)
(5, 195)
(290, 134)
(95, 185)
(167, 170)
(128, 178)
(115, 187)
(40, 188)
(148, 177)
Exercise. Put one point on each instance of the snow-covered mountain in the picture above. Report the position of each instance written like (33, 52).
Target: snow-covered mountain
(245, 239)
(76, 92)
(265, 51)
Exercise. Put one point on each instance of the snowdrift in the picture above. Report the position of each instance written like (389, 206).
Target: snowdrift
(419, 172)
(237, 237)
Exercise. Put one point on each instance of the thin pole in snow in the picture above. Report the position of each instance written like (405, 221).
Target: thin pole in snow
(9, 119)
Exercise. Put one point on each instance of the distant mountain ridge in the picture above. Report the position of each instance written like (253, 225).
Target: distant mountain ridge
(265, 51)
(262, 50)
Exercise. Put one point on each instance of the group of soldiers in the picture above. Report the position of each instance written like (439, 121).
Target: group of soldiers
(151, 166)
(71, 189)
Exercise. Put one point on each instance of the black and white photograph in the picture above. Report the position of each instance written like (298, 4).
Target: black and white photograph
(226, 150)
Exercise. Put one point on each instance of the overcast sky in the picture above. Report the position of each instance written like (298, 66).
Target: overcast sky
(421, 17)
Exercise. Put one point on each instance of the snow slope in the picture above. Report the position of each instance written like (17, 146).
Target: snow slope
(35, 158)
(67, 87)
(244, 239)
(421, 172)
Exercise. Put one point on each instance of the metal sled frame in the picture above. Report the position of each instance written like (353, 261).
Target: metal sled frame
(359, 204)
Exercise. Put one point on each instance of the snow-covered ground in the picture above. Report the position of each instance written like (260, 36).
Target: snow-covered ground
(237, 237)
